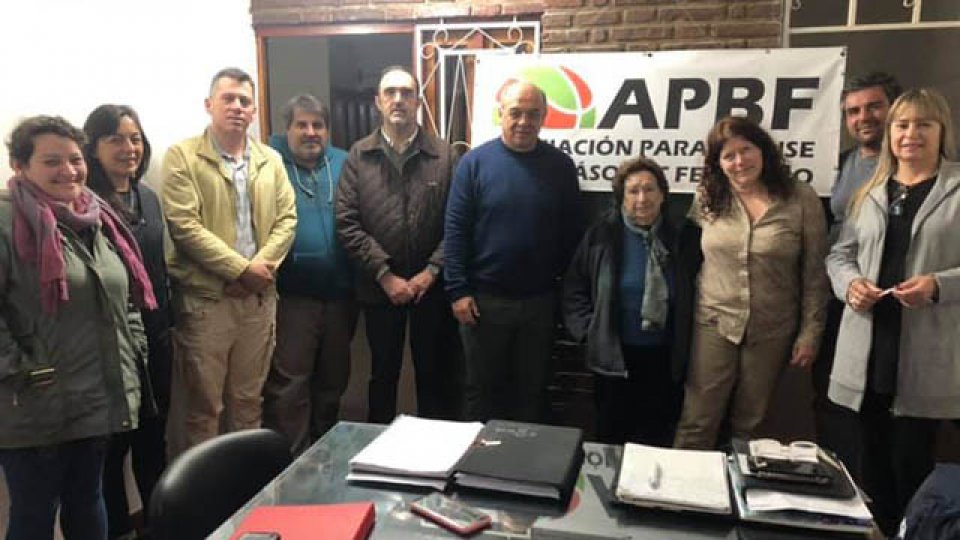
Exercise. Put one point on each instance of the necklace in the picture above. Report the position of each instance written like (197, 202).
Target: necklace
(901, 192)
(899, 200)
(312, 180)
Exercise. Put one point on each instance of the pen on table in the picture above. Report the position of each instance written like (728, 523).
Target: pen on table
(656, 472)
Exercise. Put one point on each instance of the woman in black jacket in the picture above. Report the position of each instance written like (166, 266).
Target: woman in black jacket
(118, 155)
(627, 293)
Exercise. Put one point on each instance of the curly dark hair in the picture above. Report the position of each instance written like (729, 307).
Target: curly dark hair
(633, 166)
(715, 192)
(20, 146)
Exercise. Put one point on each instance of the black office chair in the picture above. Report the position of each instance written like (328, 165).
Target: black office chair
(211, 481)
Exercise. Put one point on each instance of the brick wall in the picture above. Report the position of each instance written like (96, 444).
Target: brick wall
(568, 25)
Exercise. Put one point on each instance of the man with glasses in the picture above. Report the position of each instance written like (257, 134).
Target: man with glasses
(512, 223)
(389, 211)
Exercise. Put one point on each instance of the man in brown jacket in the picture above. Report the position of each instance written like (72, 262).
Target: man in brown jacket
(390, 208)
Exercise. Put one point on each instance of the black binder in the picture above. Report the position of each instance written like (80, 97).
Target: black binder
(522, 458)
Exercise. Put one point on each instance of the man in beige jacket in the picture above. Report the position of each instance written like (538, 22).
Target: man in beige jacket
(231, 215)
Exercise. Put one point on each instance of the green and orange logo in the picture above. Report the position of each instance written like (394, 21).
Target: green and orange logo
(569, 99)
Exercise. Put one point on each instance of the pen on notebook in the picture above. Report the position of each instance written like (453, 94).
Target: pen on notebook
(656, 472)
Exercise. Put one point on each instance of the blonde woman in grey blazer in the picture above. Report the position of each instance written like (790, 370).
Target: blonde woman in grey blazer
(897, 267)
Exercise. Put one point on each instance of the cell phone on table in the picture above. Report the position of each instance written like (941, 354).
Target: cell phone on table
(788, 471)
(450, 513)
(260, 536)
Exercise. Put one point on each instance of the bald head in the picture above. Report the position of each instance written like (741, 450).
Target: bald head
(516, 87)
(523, 108)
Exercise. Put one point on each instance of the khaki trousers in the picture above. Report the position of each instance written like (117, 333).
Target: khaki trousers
(725, 378)
(223, 351)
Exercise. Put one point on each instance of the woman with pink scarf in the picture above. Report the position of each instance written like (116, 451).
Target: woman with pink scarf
(70, 348)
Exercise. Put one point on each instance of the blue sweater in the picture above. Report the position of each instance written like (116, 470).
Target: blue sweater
(512, 222)
(633, 273)
(316, 266)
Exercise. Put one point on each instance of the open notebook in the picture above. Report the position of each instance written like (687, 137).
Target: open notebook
(674, 479)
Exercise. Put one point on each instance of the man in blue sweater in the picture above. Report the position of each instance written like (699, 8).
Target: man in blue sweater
(316, 313)
(512, 223)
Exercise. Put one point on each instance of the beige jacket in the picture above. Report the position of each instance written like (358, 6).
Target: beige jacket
(769, 276)
(199, 204)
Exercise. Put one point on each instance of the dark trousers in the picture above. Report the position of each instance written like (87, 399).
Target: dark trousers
(146, 444)
(148, 457)
(838, 428)
(437, 357)
(310, 369)
(508, 357)
(65, 475)
(642, 407)
(898, 455)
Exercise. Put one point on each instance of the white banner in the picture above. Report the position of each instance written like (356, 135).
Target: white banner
(604, 108)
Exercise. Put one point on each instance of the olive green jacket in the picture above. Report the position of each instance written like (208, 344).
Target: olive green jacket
(90, 344)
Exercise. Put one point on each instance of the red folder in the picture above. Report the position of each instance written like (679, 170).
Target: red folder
(351, 521)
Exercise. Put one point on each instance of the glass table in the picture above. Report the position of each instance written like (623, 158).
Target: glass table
(318, 476)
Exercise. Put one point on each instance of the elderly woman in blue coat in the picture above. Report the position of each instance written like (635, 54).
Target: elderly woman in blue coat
(897, 267)
(69, 374)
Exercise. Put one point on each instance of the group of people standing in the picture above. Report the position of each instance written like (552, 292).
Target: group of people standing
(688, 321)
(692, 320)
(274, 254)
(690, 352)
(85, 367)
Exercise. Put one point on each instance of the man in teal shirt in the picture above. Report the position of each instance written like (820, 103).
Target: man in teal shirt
(316, 313)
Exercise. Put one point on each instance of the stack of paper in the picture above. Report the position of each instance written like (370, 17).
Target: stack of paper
(674, 479)
(797, 510)
(415, 451)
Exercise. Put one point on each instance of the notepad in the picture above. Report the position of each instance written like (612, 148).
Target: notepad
(674, 479)
(415, 451)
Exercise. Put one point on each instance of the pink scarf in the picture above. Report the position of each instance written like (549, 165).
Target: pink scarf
(38, 241)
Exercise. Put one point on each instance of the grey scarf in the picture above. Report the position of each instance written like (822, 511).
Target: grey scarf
(656, 295)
